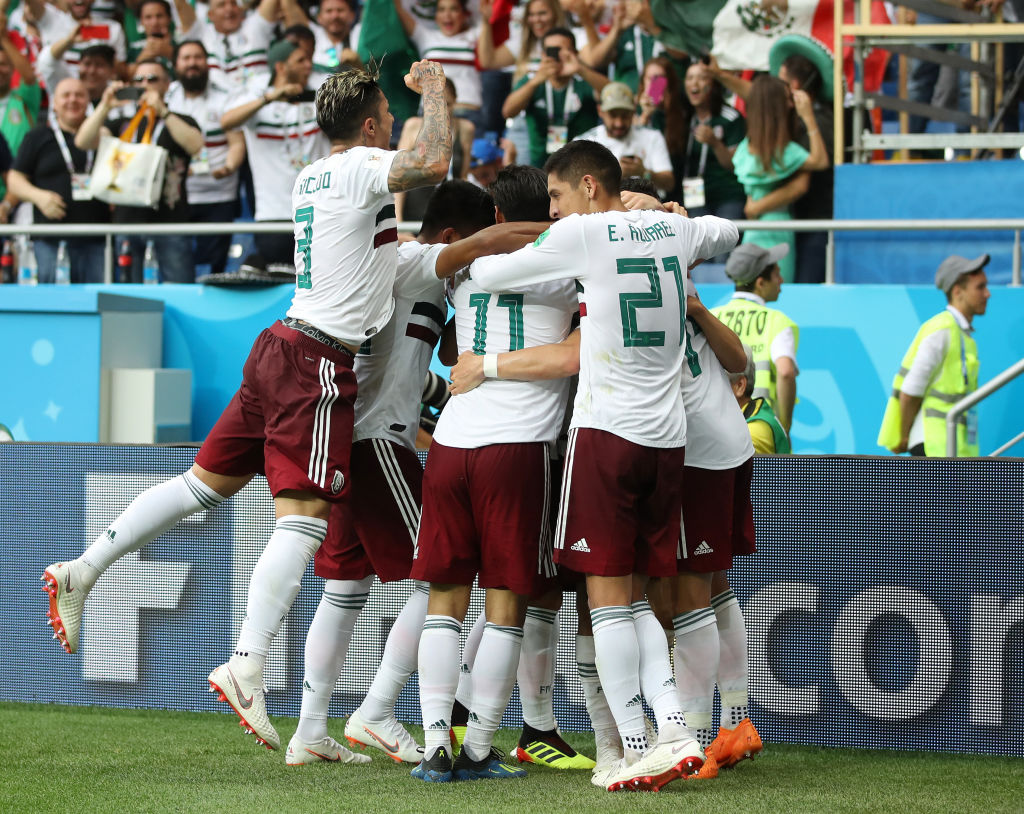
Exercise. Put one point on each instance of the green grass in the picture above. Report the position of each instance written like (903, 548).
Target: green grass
(92, 759)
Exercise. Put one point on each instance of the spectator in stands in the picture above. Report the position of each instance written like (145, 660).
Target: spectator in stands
(485, 162)
(714, 131)
(19, 107)
(940, 368)
(213, 172)
(156, 43)
(96, 66)
(412, 205)
(660, 106)
(336, 31)
(282, 137)
(765, 430)
(182, 138)
(770, 154)
(237, 43)
(629, 44)
(641, 151)
(772, 335)
(453, 42)
(67, 35)
(52, 173)
(558, 99)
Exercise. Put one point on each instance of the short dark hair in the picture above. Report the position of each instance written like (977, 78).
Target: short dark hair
(521, 193)
(582, 157)
(634, 183)
(560, 31)
(299, 32)
(765, 275)
(460, 205)
(180, 45)
(163, 3)
(344, 101)
(104, 53)
(159, 62)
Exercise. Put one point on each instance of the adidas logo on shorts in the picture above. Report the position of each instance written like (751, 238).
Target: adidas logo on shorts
(581, 545)
(703, 548)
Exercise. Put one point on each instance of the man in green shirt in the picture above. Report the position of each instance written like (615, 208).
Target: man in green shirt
(772, 335)
(559, 99)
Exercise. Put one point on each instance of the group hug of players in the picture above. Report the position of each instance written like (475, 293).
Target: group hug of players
(328, 411)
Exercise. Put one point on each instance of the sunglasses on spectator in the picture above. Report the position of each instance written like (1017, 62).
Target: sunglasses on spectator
(152, 77)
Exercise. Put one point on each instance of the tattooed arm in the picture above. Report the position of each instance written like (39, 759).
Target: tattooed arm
(426, 163)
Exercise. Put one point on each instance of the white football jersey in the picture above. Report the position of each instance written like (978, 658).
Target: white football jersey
(390, 367)
(716, 431)
(631, 268)
(503, 411)
(206, 109)
(346, 244)
(239, 58)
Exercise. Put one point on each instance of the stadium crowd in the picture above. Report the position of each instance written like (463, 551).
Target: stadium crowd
(231, 89)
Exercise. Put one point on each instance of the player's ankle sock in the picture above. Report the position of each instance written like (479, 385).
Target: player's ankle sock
(732, 661)
(399, 659)
(536, 668)
(656, 681)
(601, 719)
(152, 513)
(733, 716)
(617, 653)
(464, 693)
(494, 676)
(696, 665)
(439, 676)
(326, 647)
(274, 584)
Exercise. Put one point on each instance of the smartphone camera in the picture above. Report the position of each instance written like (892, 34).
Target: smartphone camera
(129, 94)
(554, 52)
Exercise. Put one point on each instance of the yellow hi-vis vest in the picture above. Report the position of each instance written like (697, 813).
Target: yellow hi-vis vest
(955, 378)
(757, 325)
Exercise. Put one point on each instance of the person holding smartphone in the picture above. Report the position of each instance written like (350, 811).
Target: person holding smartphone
(558, 99)
(67, 34)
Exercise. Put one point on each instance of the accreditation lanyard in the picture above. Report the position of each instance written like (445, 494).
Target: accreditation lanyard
(79, 180)
(571, 101)
(638, 49)
(703, 149)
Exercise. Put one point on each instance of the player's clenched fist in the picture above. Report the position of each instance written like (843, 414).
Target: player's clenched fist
(422, 73)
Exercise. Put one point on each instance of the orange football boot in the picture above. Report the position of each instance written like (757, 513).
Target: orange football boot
(733, 745)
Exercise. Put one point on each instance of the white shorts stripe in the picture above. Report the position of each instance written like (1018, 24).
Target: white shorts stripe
(400, 490)
(322, 424)
(563, 500)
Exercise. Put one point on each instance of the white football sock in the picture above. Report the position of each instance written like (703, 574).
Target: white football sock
(618, 667)
(656, 680)
(732, 662)
(536, 673)
(439, 676)
(326, 647)
(399, 660)
(272, 589)
(152, 513)
(494, 676)
(464, 693)
(696, 666)
(601, 719)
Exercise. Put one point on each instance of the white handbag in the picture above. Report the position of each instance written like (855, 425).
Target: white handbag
(128, 173)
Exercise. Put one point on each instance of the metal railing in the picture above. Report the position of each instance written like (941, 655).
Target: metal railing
(109, 230)
(968, 401)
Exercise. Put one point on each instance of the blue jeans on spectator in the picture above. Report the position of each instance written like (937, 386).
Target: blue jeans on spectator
(212, 250)
(85, 253)
(173, 253)
(497, 85)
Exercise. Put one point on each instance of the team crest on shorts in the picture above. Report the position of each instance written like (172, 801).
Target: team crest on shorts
(337, 482)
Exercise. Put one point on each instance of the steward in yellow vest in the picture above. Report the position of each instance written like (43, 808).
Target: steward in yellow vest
(771, 335)
(765, 430)
(940, 368)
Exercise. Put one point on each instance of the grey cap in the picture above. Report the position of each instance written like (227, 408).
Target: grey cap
(748, 261)
(954, 267)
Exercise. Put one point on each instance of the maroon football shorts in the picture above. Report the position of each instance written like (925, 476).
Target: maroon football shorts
(718, 518)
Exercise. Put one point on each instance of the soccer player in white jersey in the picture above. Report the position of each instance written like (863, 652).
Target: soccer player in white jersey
(292, 417)
(374, 532)
(485, 505)
(622, 487)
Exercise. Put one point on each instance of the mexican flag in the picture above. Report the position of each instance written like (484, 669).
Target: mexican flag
(740, 33)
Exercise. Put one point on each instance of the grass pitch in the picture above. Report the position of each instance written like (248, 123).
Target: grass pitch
(93, 759)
